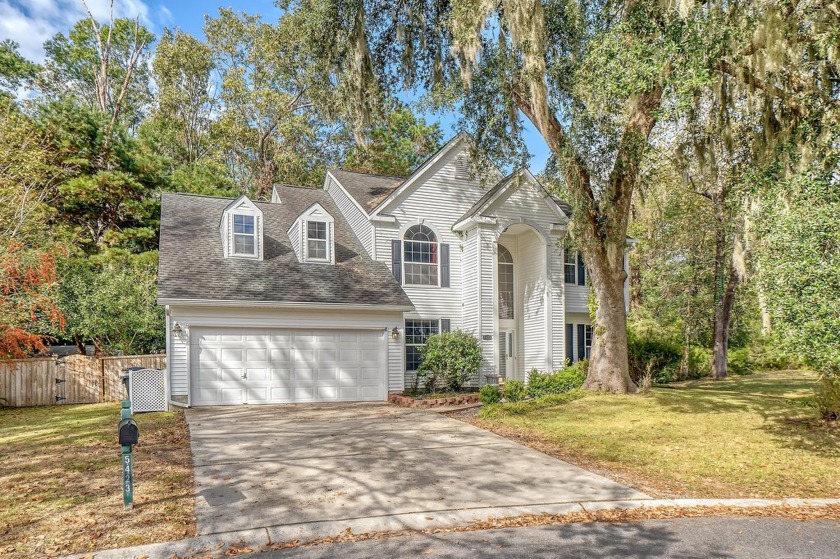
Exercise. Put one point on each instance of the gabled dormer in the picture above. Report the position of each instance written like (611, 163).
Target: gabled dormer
(313, 236)
(241, 228)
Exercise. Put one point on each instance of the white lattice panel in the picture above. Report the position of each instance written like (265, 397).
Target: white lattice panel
(148, 390)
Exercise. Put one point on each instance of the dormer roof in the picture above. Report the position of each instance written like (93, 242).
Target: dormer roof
(242, 221)
(192, 265)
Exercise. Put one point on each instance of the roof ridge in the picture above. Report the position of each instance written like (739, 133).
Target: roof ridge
(369, 174)
(298, 186)
(211, 197)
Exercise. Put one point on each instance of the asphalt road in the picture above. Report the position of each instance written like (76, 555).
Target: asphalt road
(759, 538)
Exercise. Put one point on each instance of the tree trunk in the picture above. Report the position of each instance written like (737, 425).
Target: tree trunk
(766, 322)
(608, 368)
(98, 348)
(723, 318)
(600, 224)
(80, 344)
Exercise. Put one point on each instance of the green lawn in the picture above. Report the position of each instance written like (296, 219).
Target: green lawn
(60, 487)
(750, 436)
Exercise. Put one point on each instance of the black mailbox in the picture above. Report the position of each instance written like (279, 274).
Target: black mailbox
(128, 432)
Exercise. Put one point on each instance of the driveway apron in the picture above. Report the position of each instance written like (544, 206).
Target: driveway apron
(263, 466)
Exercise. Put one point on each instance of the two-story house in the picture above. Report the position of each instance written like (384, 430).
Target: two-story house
(330, 294)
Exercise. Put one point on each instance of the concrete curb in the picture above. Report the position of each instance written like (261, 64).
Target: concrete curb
(214, 545)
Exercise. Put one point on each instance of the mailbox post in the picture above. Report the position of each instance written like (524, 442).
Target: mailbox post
(128, 435)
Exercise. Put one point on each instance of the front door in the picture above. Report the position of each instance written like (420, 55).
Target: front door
(507, 354)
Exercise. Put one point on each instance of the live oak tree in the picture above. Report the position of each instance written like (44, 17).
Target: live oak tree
(593, 79)
(588, 76)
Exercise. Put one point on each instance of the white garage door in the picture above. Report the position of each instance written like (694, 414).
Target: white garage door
(245, 366)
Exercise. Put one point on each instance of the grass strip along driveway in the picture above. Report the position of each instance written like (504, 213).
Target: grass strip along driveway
(753, 436)
(60, 481)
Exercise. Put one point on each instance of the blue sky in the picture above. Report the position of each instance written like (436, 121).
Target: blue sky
(31, 22)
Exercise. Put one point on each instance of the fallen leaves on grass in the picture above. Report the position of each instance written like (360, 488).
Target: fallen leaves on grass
(62, 468)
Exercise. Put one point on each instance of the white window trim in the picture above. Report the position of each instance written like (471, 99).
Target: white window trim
(254, 235)
(403, 262)
(512, 265)
(574, 265)
(327, 241)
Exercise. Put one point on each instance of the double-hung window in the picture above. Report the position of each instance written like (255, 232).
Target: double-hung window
(416, 334)
(316, 240)
(569, 266)
(574, 272)
(420, 256)
(244, 235)
(588, 341)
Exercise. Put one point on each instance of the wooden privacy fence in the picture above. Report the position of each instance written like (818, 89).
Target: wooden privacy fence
(75, 379)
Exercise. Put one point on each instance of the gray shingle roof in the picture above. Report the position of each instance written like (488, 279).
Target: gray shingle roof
(192, 264)
(368, 190)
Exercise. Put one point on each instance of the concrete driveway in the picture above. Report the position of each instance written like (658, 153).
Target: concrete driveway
(272, 466)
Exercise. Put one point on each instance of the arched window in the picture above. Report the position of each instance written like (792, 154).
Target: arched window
(505, 284)
(420, 255)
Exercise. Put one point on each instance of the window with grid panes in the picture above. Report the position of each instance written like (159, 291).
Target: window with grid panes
(316, 240)
(420, 256)
(416, 334)
(569, 266)
(505, 280)
(244, 235)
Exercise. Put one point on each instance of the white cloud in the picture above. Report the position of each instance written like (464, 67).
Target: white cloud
(32, 22)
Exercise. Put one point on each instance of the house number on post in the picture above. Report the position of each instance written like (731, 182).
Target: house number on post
(128, 435)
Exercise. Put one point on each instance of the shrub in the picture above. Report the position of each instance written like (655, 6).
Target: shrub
(739, 361)
(450, 359)
(490, 394)
(828, 398)
(659, 358)
(496, 411)
(514, 390)
(558, 382)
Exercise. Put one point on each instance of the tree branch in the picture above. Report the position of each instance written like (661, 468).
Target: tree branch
(575, 171)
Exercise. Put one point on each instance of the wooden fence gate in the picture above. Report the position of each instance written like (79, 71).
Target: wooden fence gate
(75, 379)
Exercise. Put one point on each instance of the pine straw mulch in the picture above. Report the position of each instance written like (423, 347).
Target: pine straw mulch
(60, 481)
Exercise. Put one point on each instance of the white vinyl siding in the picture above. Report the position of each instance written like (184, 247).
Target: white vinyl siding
(471, 278)
(524, 203)
(577, 298)
(176, 362)
(439, 200)
(489, 334)
(358, 221)
(532, 289)
(558, 312)
(296, 238)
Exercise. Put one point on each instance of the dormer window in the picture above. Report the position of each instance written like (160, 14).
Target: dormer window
(241, 228)
(313, 236)
(316, 240)
(244, 235)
